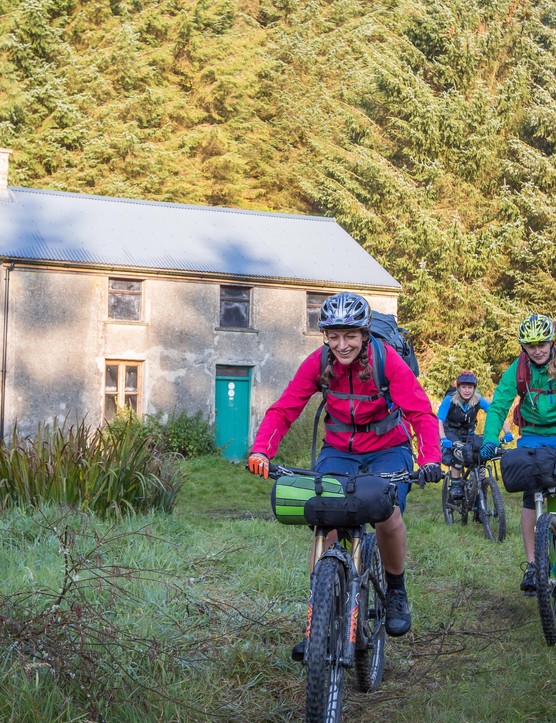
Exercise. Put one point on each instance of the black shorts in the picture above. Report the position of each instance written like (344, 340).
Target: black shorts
(529, 500)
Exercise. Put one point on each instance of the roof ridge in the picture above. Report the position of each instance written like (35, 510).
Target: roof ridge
(172, 204)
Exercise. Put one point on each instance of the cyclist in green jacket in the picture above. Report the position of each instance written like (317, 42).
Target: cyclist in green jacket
(536, 416)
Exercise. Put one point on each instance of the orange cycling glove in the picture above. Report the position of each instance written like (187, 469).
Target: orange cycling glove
(258, 464)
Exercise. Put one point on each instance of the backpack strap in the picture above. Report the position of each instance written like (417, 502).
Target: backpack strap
(523, 374)
(523, 382)
(325, 390)
(379, 374)
(323, 358)
(522, 379)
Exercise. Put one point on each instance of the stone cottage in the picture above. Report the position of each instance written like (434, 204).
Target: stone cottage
(162, 306)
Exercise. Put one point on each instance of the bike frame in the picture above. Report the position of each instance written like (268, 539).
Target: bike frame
(550, 496)
(352, 563)
(478, 484)
(472, 477)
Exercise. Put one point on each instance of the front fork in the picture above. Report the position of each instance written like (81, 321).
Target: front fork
(352, 563)
(550, 495)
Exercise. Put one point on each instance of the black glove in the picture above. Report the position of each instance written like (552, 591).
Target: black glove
(431, 472)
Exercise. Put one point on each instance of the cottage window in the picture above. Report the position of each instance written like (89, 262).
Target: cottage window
(235, 307)
(314, 302)
(124, 299)
(122, 387)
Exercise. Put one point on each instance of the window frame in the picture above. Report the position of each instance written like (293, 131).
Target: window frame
(121, 392)
(313, 305)
(248, 302)
(126, 292)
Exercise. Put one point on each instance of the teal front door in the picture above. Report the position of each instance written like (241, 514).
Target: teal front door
(233, 387)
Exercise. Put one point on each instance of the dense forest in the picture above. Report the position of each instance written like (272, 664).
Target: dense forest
(427, 128)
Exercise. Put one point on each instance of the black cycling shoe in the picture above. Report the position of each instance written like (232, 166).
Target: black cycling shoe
(456, 492)
(529, 582)
(299, 651)
(398, 615)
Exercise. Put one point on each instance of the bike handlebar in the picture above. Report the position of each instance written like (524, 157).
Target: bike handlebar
(279, 470)
(471, 458)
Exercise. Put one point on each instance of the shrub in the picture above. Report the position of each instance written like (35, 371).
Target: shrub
(147, 428)
(190, 436)
(110, 470)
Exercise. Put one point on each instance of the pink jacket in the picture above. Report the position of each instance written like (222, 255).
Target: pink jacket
(405, 391)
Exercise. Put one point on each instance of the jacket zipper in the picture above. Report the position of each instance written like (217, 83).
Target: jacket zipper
(351, 411)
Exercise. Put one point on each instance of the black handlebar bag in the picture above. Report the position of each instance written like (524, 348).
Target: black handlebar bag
(528, 468)
(468, 453)
(368, 500)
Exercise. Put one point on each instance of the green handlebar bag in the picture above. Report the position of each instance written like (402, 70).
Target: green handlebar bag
(290, 493)
(294, 501)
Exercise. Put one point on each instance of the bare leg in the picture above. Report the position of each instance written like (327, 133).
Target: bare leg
(331, 538)
(528, 520)
(391, 537)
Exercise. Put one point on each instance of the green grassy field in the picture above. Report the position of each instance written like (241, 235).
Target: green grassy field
(192, 616)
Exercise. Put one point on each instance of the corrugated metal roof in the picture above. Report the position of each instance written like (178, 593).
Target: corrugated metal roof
(85, 229)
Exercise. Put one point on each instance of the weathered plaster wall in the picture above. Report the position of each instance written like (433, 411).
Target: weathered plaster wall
(59, 338)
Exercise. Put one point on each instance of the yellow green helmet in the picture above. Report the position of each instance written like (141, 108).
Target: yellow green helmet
(536, 329)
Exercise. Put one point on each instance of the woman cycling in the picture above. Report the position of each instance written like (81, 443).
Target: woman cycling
(457, 420)
(361, 433)
(537, 416)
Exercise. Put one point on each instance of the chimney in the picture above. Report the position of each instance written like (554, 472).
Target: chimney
(5, 154)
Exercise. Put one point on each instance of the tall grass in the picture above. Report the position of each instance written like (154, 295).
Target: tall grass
(98, 622)
(475, 653)
(192, 616)
(105, 470)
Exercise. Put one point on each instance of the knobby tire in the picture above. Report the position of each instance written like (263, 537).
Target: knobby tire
(469, 484)
(325, 672)
(371, 633)
(545, 562)
(446, 504)
(452, 509)
(493, 516)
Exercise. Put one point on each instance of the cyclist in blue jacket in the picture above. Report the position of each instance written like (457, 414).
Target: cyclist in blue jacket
(457, 420)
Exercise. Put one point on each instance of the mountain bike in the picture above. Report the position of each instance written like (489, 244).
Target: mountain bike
(545, 560)
(481, 495)
(533, 469)
(346, 616)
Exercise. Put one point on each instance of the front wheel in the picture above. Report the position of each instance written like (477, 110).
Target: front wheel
(371, 633)
(545, 562)
(325, 672)
(491, 510)
(447, 507)
(452, 509)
